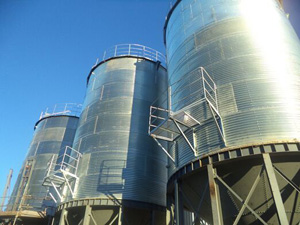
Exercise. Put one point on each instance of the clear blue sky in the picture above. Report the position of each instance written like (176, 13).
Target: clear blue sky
(47, 49)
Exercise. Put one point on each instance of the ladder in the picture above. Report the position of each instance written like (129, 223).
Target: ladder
(21, 194)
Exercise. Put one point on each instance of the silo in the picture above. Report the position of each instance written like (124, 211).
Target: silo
(52, 133)
(122, 173)
(234, 69)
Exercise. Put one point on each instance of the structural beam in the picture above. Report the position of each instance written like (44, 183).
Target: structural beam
(165, 150)
(87, 215)
(275, 190)
(178, 204)
(290, 182)
(237, 219)
(214, 197)
(185, 138)
(241, 200)
(62, 220)
(120, 216)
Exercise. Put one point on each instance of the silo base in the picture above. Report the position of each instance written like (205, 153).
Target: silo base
(109, 212)
(250, 185)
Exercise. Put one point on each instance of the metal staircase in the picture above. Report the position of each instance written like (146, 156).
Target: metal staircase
(62, 172)
(179, 110)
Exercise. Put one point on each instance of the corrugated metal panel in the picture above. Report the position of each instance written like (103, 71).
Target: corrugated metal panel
(124, 162)
(257, 72)
(51, 136)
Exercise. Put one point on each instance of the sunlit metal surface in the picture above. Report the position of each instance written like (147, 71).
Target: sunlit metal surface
(52, 134)
(253, 55)
(119, 159)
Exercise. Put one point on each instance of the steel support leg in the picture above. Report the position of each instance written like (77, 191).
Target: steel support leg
(87, 215)
(62, 220)
(214, 197)
(114, 219)
(275, 190)
(120, 216)
(178, 204)
(152, 217)
(169, 210)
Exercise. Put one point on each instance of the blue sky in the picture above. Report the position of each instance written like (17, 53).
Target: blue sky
(47, 49)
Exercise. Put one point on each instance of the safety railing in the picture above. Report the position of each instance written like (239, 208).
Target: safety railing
(68, 109)
(194, 86)
(69, 160)
(134, 50)
(192, 89)
(62, 172)
(188, 102)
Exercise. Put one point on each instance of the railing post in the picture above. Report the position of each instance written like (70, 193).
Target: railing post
(116, 50)
(169, 100)
(63, 159)
(129, 49)
(104, 55)
(65, 108)
(77, 161)
(203, 83)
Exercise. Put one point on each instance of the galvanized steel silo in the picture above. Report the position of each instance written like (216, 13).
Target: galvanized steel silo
(121, 169)
(53, 132)
(252, 55)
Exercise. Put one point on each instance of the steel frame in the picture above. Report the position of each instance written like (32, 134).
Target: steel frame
(215, 180)
(161, 118)
(88, 217)
(62, 172)
(195, 211)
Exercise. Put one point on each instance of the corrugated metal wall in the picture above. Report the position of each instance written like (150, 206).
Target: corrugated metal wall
(253, 54)
(119, 159)
(51, 135)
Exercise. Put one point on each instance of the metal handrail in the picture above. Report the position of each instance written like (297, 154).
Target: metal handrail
(68, 109)
(134, 50)
(206, 91)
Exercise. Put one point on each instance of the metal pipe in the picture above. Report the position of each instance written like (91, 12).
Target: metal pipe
(6, 188)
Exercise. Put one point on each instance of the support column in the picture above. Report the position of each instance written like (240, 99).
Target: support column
(275, 190)
(152, 217)
(62, 220)
(178, 205)
(170, 211)
(87, 215)
(120, 216)
(214, 197)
